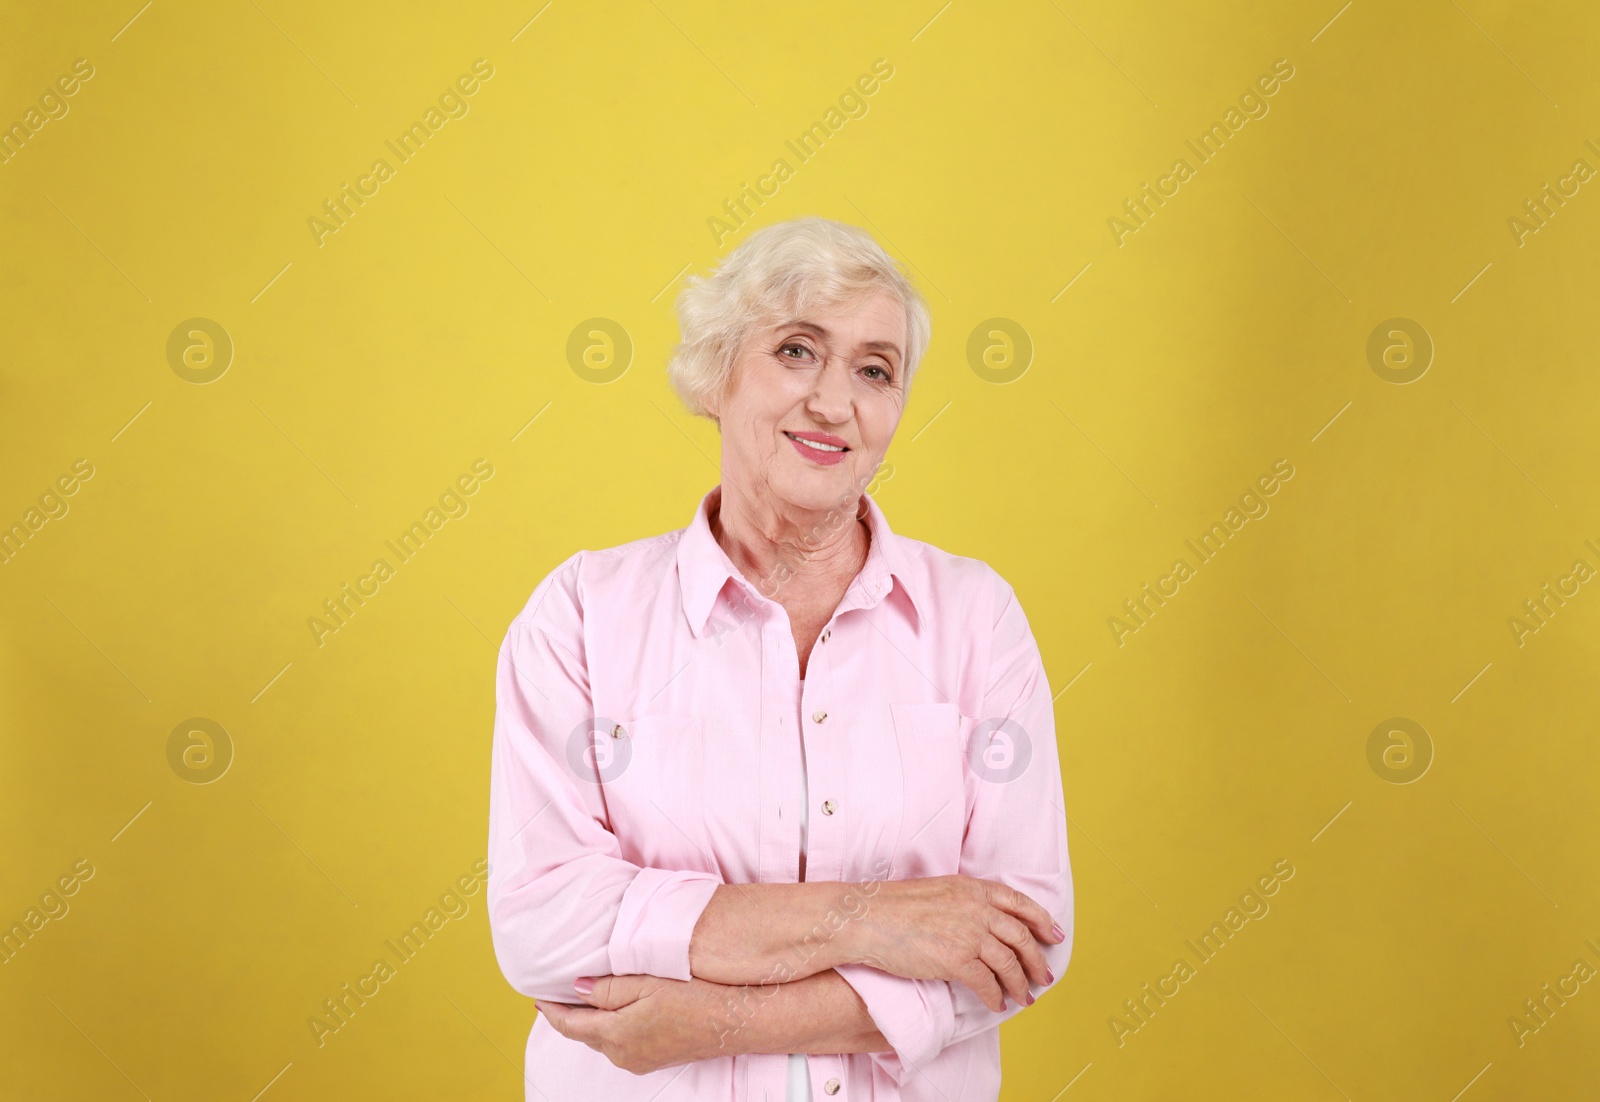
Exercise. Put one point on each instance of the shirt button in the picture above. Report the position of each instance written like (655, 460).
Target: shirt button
(831, 1086)
(826, 633)
(618, 732)
(819, 717)
(827, 809)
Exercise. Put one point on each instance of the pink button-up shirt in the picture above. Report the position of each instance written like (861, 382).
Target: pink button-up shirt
(646, 750)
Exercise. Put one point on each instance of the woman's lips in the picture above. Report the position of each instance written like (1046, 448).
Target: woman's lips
(818, 451)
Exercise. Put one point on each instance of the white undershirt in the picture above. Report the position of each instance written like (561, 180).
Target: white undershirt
(799, 1089)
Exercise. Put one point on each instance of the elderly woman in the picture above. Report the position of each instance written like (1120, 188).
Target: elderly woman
(775, 808)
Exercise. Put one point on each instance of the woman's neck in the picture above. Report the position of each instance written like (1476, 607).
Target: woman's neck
(774, 545)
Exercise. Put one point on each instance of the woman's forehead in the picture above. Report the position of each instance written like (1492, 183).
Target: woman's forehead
(879, 312)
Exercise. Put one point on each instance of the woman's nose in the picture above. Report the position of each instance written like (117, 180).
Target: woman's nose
(830, 396)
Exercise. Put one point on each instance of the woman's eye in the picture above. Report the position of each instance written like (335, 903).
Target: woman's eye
(882, 373)
(795, 348)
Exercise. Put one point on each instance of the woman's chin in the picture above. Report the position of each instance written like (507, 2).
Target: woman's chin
(814, 487)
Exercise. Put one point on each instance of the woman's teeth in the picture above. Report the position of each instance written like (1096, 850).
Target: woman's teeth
(814, 444)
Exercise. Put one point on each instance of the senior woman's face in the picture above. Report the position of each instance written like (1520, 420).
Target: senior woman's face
(833, 377)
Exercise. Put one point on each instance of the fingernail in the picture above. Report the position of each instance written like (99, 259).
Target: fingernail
(584, 986)
(1049, 976)
(1029, 1002)
(1061, 935)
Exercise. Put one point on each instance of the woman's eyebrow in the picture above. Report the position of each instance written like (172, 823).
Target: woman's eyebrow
(808, 326)
(813, 327)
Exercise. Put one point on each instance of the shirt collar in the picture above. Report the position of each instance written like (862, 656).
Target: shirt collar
(704, 567)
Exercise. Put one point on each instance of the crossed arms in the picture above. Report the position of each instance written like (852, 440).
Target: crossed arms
(684, 967)
(763, 980)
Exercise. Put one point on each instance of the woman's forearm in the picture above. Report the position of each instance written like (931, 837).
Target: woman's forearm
(981, 933)
(775, 933)
(821, 1014)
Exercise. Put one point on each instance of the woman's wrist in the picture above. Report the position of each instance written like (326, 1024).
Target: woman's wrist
(777, 933)
(821, 1014)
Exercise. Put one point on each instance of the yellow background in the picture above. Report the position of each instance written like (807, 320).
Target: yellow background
(1227, 333)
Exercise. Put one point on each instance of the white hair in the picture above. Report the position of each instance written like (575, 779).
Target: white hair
(783, 271)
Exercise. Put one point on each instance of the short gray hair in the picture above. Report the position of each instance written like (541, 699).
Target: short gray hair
(781, 271)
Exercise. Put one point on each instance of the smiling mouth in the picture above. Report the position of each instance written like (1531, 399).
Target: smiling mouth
(813, 445)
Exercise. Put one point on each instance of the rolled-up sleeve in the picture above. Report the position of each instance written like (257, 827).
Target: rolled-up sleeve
(562, 901)
(1016, 834)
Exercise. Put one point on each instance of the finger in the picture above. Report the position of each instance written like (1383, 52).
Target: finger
(980, 980)
(612, 992)
(1020, 940)
(1006, 968)
(1022, 905)
(559, 1025)
(552, 1012)
(580, 1023)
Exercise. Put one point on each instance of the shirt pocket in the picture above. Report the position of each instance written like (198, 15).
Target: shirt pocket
(654, 789)
(933, 802)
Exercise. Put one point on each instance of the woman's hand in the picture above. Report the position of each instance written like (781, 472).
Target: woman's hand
(643, 1023)
(981, 933)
